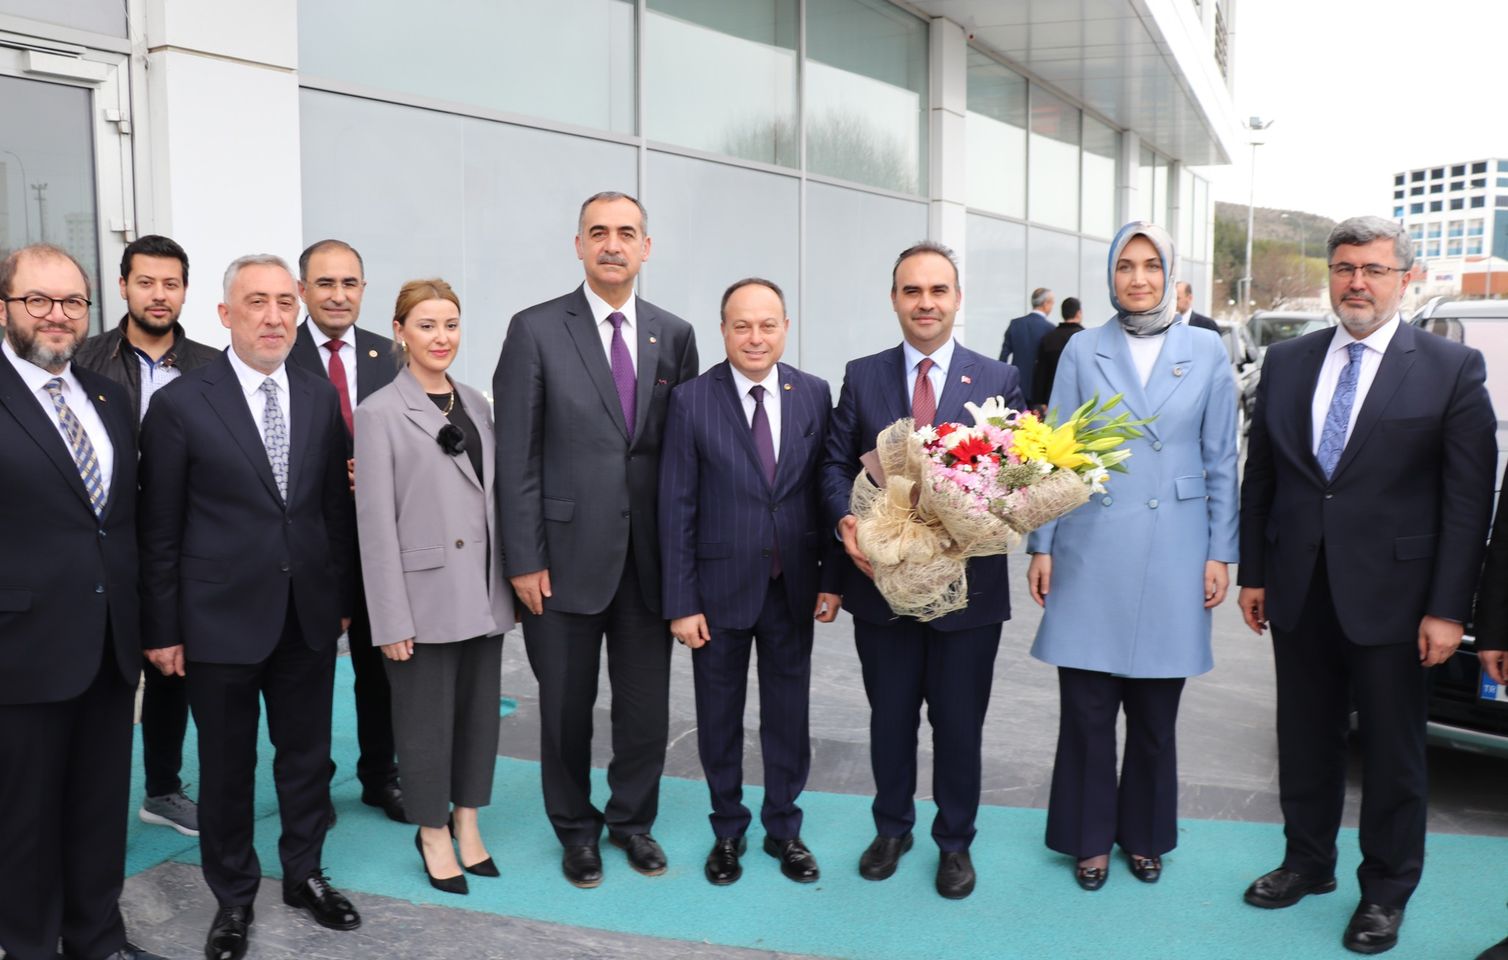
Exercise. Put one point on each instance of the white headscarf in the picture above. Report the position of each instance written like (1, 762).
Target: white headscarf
(1147, 323)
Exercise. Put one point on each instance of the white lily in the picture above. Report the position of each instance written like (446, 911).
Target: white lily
(959, 436)
(1095, 473)
(991, 410)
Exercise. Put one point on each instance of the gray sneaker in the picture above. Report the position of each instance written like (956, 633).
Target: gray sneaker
(172, 810)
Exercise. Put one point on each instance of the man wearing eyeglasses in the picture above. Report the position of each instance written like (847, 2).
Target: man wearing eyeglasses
(70, 643)
(1364, 516)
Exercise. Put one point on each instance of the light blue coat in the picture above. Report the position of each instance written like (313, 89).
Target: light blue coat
(1127, 589)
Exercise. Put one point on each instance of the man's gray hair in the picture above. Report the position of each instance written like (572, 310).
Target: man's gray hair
(1360, 231)
(251, 260)
(927, 246)
(607, 195)
(1040, 296)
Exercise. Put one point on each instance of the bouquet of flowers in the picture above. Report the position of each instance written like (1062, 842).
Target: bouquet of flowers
(930, 498)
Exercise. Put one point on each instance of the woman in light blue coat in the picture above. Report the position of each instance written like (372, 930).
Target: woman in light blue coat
(1127, 581)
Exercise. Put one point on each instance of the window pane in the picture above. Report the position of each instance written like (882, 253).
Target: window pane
(1052, 261)
(1100, 143)
(1053, 193)
(1146, 186)
(1093, 291)
(571, 61)
(721, 76)
(96, 16)
(866, 93)
(994, 281)
(1185, 213)
(996, 138)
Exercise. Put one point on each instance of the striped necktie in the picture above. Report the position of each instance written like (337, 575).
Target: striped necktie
(79, 446)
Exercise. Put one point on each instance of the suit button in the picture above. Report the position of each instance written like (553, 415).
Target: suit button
(764, 553)
(288, 521)
(1107, 501)
(1152, 503)
(774, 508)
(102, 531)
(1156, 444)
(283, 566)
(99, 588)
(460, 544)
(625, 514)
(1329, 496)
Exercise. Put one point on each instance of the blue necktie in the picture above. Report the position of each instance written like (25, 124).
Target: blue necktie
(79, 446)
(1333, 437)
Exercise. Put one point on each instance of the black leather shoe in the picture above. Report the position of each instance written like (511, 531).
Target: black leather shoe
(582, 865)
(1145, 869)
(1284, 888)
(326, 905)
(455, 884)
(644, 854)
(722, 866)
(1498, 951)
(388, 798)
(228, 933)
(882, 857)
(796, 861)
(955, 874)
(1090, 878)
(1373, 928)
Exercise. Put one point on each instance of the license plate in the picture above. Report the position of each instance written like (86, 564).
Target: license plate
(1492, 690)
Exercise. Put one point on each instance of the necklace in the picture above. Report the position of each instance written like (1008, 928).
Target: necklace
(451, 403)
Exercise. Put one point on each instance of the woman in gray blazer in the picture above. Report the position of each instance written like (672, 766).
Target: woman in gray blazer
(439, 605)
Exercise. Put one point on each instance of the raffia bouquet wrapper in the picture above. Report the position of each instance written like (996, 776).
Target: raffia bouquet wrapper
(929, 498)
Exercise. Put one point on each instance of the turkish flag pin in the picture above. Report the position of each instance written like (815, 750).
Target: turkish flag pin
(966, 378)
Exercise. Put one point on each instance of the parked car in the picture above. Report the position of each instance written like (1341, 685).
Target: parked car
(1467, 710)
(1246, 364)
(1268, 327)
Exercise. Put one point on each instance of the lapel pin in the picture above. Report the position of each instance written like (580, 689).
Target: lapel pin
(100, 398)
(787, 386)
(663, 382)
(1177, 371)
(372, 354)
(653, 340)
(966, 378)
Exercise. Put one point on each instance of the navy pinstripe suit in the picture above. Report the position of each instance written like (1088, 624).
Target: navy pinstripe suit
(948, 662)
(719, 519)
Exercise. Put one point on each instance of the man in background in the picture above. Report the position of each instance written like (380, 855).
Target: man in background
(1050, 351)
(1023, 337)
(1186, 311)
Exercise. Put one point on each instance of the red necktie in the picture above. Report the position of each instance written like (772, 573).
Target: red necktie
(338, 377)
(923, 402)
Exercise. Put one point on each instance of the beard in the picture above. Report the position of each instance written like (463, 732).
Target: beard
(154, 327)
(29, 349)
(1362, 320)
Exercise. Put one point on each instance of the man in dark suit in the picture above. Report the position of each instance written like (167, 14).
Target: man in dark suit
(947, 663)
(581, 390)
(146, 351)
(1364, 517)
(332, 281)
(742, 537)
(1186, 311)
(70, 650)
(1023, 337)
(247, 536)
(1050, 351)
(1491, 623)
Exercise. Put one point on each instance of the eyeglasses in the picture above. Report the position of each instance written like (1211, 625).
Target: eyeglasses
(74, 308)
(1372, 271)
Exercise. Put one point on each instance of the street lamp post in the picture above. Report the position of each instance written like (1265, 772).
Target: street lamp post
(25, 203)
(1257, 126)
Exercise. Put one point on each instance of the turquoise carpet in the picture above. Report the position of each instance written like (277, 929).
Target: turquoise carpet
(1026, 906)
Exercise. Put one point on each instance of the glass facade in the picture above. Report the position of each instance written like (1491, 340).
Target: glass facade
(96, 16)
(1097, 204)
(1053, 182)
(995, 137)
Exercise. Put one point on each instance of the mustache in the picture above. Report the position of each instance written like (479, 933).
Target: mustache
(612, 259)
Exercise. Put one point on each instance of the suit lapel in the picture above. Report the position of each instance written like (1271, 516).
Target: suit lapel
(23, 405)
(583, 332)
(732, 405)
(958, 387)
(1308, 372)
(1174, 363)
(897, 402)
(229, 403)
(122, 439)
(793, 414)
(648, 334)
(304, 353)
(1396, 361)
(1113, 356)
(423, 413)
(300, 429)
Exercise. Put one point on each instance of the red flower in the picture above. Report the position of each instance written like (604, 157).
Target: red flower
(971, 449)
(945, 429)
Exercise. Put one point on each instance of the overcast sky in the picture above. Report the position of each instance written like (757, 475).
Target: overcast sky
(1360, 90)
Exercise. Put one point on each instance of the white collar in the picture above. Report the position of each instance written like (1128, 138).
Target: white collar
(601, 308)
(347, 336)
(1376, 340)
(251, 380)
(941, 358)
(36, 377)
(743, 384)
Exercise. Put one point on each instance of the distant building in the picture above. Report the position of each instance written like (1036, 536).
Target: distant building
(1457, 216)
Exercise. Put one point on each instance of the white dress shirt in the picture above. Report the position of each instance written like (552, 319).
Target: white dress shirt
(1376, 344)
(347, 353)
(941, 359)
(78, 400)
(1144, 354)
(600, 309)
(772, 400)
(251, 387)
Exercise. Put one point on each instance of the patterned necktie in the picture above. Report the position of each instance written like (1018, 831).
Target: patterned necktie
(275, 436)
(79, 446)
(338, 377)
(923, 403)
(1338, 418)
(764, 445)
(623, 372)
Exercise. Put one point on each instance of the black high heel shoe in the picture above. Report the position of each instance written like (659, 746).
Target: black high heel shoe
(484, 869)
(455, 884)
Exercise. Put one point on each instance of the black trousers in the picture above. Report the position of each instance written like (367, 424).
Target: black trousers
(1087, 810)
(1321, 673)
(164, 721)
(65, 779)
(296, 683)
(720, 672)
(375, 764)
(565, 651)
(906, 663)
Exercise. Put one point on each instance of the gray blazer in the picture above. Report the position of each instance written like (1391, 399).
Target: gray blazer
(425, 521)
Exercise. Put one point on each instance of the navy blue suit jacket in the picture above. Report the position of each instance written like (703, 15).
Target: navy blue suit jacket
(718, 514)
(67, 577)
(219, 548)
(1022, 338)
(873, 397)
(1403, 520)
